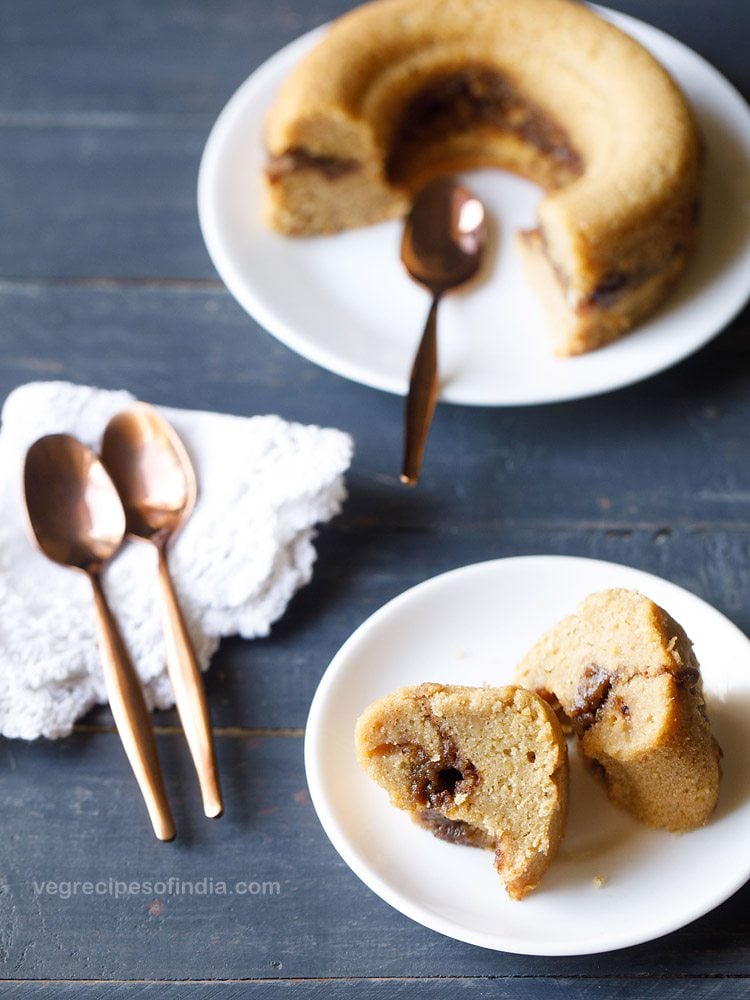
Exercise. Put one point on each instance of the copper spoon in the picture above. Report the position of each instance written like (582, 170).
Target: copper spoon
(156, 482)
(442, 247)
(77, 520)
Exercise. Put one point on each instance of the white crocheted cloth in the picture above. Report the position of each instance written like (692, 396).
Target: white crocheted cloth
(248, 546)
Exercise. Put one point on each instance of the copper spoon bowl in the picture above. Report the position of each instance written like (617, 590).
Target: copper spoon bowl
(77, 520)
(155, 479)
(442, 248)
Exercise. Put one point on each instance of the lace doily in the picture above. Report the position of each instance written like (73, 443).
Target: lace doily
(248, 546)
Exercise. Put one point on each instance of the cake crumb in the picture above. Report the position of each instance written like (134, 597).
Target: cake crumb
(600, 881)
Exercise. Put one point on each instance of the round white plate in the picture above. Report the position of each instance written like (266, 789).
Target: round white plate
(471, 626)
(345, 303)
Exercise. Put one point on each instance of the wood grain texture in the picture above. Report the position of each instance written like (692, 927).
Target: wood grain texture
(487, 988)
(314, 919)
(654, 476)
(667, 452)
(185, 57)
(92, 201)
(104, 279)
(138, 58)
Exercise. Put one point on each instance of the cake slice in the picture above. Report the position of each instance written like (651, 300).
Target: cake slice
(486, 767)
(623, 673)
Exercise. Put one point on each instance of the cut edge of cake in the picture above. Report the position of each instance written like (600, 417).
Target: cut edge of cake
(623, 674)
(484, 767)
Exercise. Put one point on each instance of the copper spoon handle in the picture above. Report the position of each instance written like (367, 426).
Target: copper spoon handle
(421, 399)
(131, 716)
(189, 692)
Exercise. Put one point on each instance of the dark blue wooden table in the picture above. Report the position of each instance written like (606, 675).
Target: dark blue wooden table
(104, 279)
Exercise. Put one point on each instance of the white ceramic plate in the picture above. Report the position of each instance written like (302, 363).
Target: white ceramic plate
(344, 302)
(471, 626)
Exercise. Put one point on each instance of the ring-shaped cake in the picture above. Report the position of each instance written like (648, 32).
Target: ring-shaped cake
(398, 91)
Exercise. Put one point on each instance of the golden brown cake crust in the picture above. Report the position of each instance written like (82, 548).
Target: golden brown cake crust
(399, 90)
(625, 676)
(485, 767)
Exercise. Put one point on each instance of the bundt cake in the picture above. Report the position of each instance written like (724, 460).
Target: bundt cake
(486, 767)
(400, 90)
(624, 675)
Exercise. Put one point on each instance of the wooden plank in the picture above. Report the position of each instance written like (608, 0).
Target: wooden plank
(655, 476)
(71, 814)
(98, 202)
(669, 451)
(542, 988)
(181, 57)
(186, 57)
